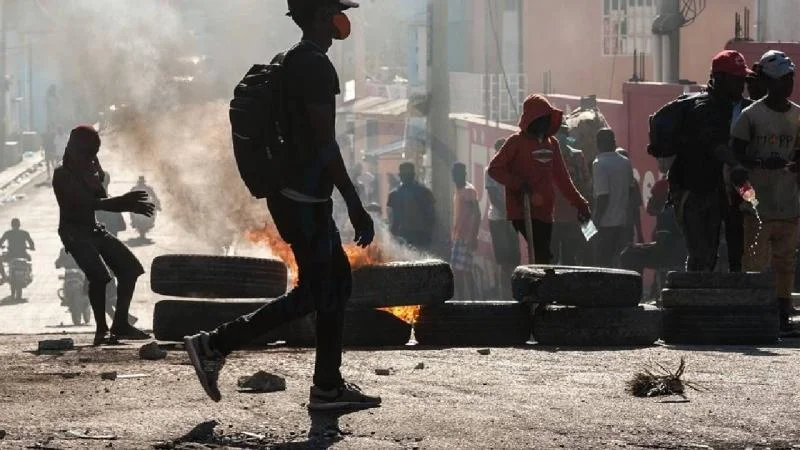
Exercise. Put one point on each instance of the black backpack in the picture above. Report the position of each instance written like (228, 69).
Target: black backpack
(667, 136)
(259, 126)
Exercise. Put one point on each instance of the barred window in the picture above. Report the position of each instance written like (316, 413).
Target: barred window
(627, 26)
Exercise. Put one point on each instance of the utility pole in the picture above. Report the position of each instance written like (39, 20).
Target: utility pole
(3, 85)
(439, 125)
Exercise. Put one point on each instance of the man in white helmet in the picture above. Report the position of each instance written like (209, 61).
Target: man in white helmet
(765, 139)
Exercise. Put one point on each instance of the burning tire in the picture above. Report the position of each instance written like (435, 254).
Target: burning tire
(719, 298)
(401, 284)
(474, 323)
(362, 328)
(596, 327)
(174, 319)
(716, 326)
(715, 280)
(587, 287)
(202, 276)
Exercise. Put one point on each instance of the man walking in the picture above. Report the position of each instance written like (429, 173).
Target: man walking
(504, 237)
(696, 181)
(302, 212)
(613, 178)
(766, 140)
(411, 210)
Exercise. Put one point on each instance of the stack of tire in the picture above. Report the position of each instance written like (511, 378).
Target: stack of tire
(720, 309)
(474, 323)
(586, 306)
(219, 289)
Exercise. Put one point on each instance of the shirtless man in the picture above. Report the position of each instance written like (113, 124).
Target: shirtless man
(78, 186)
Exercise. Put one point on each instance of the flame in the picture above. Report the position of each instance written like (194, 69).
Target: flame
(408, 314)
(269, 237)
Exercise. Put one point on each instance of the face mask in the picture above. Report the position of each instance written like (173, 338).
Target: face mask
(341, 25)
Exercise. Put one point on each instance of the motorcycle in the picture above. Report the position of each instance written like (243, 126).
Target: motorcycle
(20, 276)
(74, 296)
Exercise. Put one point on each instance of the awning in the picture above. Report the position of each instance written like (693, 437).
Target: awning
(376, 106)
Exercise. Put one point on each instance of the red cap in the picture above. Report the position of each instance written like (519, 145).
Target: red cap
(730, 62)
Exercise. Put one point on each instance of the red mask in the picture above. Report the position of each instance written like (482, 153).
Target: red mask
(341, 25)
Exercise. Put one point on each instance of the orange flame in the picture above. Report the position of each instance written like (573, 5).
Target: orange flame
(269, 237)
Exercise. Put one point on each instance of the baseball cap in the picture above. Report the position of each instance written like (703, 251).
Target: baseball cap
(730, 62)
(775, 64)
(296, 5)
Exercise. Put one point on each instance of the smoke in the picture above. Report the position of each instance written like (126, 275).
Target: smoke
(120, 52)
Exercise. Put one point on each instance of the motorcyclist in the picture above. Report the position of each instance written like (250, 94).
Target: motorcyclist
(139, 222)
(19, 242)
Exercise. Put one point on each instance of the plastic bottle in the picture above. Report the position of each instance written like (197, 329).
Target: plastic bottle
(589, 230)
(748, 194)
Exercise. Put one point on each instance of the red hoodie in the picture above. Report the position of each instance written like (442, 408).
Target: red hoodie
(539, 163)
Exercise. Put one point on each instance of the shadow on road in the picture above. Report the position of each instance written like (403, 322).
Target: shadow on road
(324, 431)
(139, 242)
(12, 301)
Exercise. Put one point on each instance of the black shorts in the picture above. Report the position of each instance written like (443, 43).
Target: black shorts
(97, 252)
(505, 242)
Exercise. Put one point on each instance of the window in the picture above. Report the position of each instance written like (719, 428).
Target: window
(627, 26)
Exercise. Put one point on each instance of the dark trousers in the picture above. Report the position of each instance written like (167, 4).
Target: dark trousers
(569, 245)
(700, 218)
(324, 287)
(734, 233)
(542, 235)
(609, 245)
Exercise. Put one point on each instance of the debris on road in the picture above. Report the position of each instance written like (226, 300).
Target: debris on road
(262, 382)
(484, 351)
(86, 435)
(419, 366)
(648, 384)
(56, 344)
(152, 352)
(2, 434)
(115, 376)
(384, 372)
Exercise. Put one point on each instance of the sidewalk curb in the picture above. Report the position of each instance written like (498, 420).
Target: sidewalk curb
(22, 179)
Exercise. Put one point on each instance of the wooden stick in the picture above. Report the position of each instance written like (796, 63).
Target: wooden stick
(529, 227)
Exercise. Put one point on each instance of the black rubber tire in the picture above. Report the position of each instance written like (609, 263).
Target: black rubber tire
(715, 326)
(174, 319)
(203, 276)
(402, 284)
(719, 280)
(474, 323)
(587, 287)
(720, 298)
(556, 325)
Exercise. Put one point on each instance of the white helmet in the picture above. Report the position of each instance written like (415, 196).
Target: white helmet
(775, 64)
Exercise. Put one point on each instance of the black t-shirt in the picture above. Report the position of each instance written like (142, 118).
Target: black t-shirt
(310, 79)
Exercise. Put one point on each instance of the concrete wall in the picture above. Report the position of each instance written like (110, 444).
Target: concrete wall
(566, 37)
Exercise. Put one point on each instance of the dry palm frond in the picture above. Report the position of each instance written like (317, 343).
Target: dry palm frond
(649, 384)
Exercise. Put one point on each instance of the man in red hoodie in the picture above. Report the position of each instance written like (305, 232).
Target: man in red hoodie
(531, 162)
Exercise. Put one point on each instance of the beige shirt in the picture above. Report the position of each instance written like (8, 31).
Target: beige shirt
(772, 133)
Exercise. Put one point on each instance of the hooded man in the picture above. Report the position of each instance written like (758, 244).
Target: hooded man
(531, 162)
(78, 186)
(302, 211)
(765, 138)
